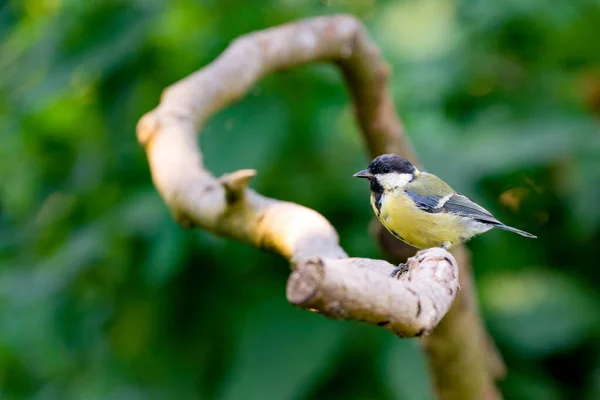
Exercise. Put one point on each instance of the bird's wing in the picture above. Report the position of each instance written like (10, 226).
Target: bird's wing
(447, 200)
(426, 203)
(421, 193)
(465, 207)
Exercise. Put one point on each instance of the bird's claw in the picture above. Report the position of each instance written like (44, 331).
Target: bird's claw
(399, 271)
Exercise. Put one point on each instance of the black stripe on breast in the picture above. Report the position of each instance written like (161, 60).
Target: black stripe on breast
(377, 198)
(397, 236)
(393, 232)
(377, 191)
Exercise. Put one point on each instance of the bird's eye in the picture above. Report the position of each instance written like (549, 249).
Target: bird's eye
(386, 170)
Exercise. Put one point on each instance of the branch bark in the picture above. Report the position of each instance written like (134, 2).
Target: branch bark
(324, 279)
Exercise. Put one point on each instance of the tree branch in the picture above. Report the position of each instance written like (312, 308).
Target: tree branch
(360, 289)
(325, 279)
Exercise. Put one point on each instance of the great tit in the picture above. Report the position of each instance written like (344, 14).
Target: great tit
(421, 209)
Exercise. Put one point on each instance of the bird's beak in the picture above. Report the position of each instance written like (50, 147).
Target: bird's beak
(363, 174)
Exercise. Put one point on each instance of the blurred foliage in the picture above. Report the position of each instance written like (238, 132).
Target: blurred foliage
(103, 296)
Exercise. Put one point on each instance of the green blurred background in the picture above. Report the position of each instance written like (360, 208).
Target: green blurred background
(103, 296)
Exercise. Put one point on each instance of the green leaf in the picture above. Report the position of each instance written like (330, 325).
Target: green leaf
(525, 385)
(405, 370)
(538, 312)
(165, 256)
(283, 352)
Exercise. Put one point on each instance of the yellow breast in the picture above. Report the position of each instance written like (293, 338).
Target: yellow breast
(400, 215)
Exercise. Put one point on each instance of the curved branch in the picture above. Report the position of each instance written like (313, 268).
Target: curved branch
(361, 289)
(464, 362)
(325, 279)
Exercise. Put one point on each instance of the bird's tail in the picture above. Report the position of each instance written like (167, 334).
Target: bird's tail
(515, 230)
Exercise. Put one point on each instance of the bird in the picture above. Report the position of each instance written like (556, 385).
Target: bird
(421, 209)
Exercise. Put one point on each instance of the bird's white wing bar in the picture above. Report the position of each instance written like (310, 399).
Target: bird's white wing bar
(426, 203)
(443, 200)
(463, 206)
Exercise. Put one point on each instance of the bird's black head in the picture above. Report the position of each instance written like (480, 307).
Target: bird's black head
(386, 163)
(388, 171)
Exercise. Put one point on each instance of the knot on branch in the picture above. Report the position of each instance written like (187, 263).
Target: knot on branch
(235, 184)
(147, 126)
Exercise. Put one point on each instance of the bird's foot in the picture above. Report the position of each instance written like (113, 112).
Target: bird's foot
(446, 245)
(400, 270)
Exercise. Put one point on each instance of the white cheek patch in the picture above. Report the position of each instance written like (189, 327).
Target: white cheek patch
(393, 181)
